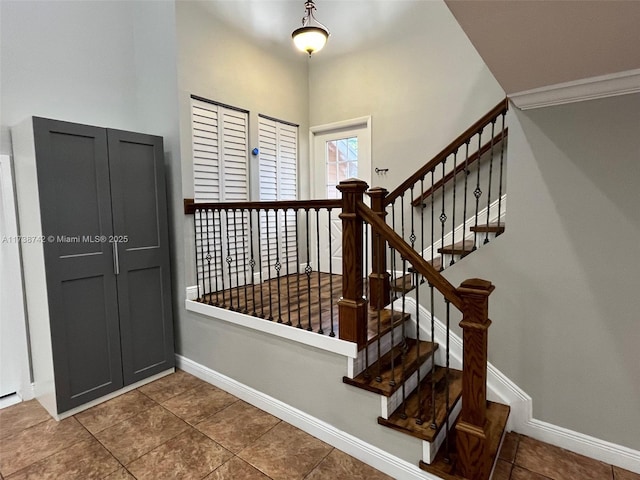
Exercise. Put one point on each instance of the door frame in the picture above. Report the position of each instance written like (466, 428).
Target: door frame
(359, 122)
(16, 321)
(363, 125)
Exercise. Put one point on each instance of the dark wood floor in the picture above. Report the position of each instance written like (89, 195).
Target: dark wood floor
(297, 300)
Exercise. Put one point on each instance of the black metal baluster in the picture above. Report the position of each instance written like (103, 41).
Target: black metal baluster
(252, 264)
(477, 192)
(443, 216)
(493, 127)
(433, 227)
(403, 351)
(366, 286)
(332, 333)
(447, 456)
(308, 270)
(235, 251)
(229, 262)
(286, 253)
(379, 313)
(208, 257)
(466, 182)
(453, 215)
(433, 424)
(419, 420)
(224, 302)
(270, 317)
(502, 143)
(422, 280)
(366, 261)
(278, 265)
(402, 214)
(244, 262)
(320, 330)
(261, 266)
(298, 274)
(394, 279)
(195, 244)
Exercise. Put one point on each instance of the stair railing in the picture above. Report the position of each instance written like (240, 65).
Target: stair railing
(470, 299)
(264, 259)
(457, 192)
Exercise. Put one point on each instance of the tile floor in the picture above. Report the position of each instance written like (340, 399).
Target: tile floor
(523, 458)
(180, 427)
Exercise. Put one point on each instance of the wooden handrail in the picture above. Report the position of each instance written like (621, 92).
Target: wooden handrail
(449, 176)
(434, 277)
(190, 207)
(499, 109)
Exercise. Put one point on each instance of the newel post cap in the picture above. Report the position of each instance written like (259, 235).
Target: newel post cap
(377, 192)
(352, 185)
(476, 286)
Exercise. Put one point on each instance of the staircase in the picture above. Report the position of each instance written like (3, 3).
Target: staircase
(448, 209)
(421, 394)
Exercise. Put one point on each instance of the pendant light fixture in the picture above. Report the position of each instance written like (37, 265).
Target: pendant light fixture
(313, 35)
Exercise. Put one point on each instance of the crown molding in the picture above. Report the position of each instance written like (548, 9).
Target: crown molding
(620, 83)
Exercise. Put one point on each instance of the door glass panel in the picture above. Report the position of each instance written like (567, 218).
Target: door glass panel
(341, 163)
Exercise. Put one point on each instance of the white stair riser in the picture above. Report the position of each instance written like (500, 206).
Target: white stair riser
(390, 404)
(430, 449)
(357, 365)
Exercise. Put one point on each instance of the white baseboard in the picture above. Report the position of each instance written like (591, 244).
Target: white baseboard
(363, 451)
(501, 389)
(577, 442)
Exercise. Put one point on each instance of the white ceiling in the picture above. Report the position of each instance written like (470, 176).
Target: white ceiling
(525, 43)
(352, 23)
(528, 44)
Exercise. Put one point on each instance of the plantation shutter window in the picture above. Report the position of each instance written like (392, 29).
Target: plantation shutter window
(278, 168)
(220, 173)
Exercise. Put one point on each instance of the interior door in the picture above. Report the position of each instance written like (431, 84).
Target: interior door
(75, 203)
(340, 153)
(141, 243)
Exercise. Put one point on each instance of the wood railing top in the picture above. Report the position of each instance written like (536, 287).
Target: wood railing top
(469, 161)
(190, 206)
(499, 109)
(434, 277)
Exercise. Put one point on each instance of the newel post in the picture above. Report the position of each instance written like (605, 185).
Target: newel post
(471, 431)
(379, 285)
(352, 307)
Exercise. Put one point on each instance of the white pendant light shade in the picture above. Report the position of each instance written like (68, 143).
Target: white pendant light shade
(310, 39)
(313, 35)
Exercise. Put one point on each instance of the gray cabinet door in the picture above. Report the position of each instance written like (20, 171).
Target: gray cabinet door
(139, 203)
(75, 203)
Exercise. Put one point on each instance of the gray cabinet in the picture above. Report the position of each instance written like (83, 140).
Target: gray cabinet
(92, 201)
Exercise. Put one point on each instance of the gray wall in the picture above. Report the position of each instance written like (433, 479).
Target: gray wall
(565, 309)
(103, 63)
(423, 83)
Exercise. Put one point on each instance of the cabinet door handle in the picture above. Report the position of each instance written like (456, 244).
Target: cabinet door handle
(116, 259)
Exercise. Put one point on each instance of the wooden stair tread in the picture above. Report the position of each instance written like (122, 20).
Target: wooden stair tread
(414, 405)
(386, 323)
(460, 248)
(490, 228)
(367, 379)
(497, 416)
(403, 284)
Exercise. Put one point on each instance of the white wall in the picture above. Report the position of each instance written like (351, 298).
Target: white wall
(565, 309)
(423, 84)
